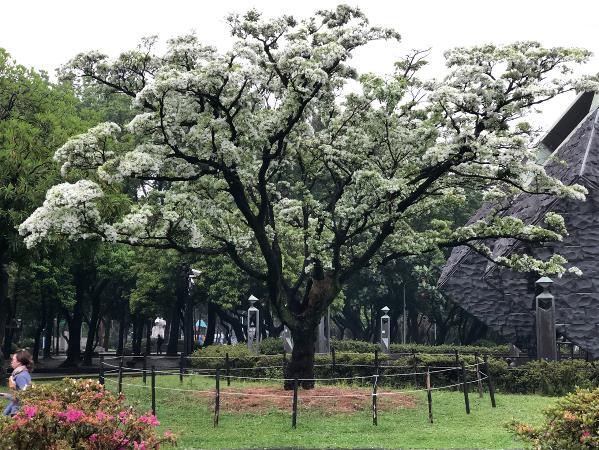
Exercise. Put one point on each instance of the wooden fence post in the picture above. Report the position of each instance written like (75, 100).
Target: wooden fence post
(479, 382)
(101, 376)
(375, 420)
(457, 363)
(120, 389)
(414, 368)
(217, 398)
(489, 381)
(376, 361)
(227, 369)
(465, 386)
(429, 394)
(181, 365)
(153, 384)
(145, 369)
(333, 360)
(294, 405)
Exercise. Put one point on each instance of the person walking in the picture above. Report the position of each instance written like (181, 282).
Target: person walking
(22, 365)
(159, 341)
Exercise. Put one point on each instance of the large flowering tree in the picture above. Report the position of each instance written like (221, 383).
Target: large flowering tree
(260, 153)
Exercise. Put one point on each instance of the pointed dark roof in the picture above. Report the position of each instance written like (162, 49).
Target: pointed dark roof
(502, 298)
(575, 160)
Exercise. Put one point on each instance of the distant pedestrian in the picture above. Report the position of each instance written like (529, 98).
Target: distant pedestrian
(159, 341)
(22, 364)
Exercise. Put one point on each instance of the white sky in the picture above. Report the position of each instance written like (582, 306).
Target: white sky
(45, 34)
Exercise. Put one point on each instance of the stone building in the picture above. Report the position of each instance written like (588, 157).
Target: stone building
(503, 299)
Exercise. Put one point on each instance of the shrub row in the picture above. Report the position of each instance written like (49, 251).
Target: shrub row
(273, 346)
(347, 345)
(541, 377)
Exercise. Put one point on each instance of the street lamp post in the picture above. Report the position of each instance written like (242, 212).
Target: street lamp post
(287, 340)
(253, 325)
(324, 333)
(385, 330)
(545, 321)
(403, 317)
(188, 319)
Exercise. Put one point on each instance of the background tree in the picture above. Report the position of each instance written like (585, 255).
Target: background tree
(36, 116)
(258, 154)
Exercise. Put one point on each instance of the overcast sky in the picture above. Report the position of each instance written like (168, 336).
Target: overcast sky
(45, 33)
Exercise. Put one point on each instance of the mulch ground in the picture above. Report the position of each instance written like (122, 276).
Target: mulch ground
(327, 399)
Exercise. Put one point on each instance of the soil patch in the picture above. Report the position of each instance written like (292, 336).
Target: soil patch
(327, 399)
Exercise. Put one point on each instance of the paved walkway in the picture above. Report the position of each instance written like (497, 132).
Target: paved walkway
(52, 367)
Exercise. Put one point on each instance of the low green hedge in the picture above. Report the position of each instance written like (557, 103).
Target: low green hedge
(541, 377)
(348, 345)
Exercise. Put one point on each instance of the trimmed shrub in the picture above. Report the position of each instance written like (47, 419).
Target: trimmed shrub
(77, 414)
(242, 362)
(540, 377)
(348, 345)
(497, 350)
(572, 423)
(271, 346)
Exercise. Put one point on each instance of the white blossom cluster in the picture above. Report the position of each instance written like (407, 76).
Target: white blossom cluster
(69, 209)
(255, 152)
(88, 150)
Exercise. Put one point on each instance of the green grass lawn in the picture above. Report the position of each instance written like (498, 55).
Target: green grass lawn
(191, 416)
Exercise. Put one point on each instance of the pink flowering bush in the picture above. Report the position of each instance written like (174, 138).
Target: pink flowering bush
(572, 423)
(78, 414)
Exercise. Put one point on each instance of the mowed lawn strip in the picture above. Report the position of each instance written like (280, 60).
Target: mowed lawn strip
(190, 414)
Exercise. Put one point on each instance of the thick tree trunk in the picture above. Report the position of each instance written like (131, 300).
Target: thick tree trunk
(138, 329)
(122, 331)
(301, 365)
(38, 333)
(91, 333)
(106, 338)
(4, 307)
(211, 328)
(413, 327)
(233, 322)
(148, 349)
(181, 293)
(10, 308)
(37, 342)
(188, 326)
(75, 321)
(57, 336)
(49, 332)
(308, 311)
(173, 334)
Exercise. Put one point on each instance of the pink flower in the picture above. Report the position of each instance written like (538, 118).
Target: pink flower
(169, 434)
(140, 446)
(93, 437)
(101, 415)
(150, 419)
(585, 435)
(29, 411)
(73, 415)
(118, 435)
(123, 416)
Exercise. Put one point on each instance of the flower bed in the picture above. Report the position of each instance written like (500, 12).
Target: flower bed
(78, 414)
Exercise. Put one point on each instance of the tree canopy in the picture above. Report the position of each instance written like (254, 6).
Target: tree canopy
(260, 153)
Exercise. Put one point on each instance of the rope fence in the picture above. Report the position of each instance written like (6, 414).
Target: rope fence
(467, 375)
